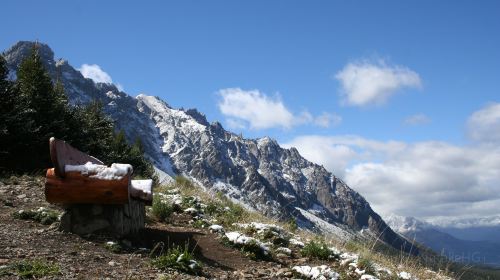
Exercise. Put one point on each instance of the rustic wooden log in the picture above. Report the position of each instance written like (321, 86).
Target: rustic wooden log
(62, 154)
(76, 188)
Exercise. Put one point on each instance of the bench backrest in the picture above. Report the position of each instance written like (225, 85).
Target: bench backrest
(62, 154)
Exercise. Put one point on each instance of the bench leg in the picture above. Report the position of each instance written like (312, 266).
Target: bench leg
(117, 220)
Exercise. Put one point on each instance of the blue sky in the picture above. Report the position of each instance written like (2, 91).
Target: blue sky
(429, 65)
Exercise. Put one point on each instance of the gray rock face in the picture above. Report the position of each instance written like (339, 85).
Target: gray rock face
(258, 173)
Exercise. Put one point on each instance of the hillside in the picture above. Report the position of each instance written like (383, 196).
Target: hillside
(32, 246)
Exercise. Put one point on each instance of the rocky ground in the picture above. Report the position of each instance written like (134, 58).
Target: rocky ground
(219, 234)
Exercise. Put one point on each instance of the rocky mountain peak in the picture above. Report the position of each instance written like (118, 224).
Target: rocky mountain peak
(21, 49)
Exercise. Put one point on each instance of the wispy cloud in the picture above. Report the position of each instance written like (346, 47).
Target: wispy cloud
(96, 74)
(373, 83)
(257, 110)
(327, 120)
(484, 124)
(417, 119)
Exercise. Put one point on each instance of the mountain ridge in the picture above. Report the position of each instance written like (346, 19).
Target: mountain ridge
(258, 173)
(455, 249)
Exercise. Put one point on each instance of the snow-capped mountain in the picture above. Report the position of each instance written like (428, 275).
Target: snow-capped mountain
(404, 225)
(467, 251)
(258, 173)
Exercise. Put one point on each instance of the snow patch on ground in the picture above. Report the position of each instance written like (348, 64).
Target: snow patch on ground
(216, 228)
(241, 239)
(261, 227)
(316, 272)
(284, 250)
(296, 242)
(405, 275)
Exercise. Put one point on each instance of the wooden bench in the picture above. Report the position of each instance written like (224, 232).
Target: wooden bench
(96, 197)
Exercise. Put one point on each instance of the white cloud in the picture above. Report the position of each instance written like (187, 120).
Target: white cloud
(96, 74)
(430, 180)
(366, 83)
(417, 119)
(324, 150)
(484, 124)
(259, 111)
(327, 120)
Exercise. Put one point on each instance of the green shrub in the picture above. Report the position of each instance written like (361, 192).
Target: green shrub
(251, 249)
(366, 264)
(231, 213)
(190, 202)
(161, 209)
(254, 251)
(178, 258)
(316, 249)
(275, 238)
(35, 269)
(250, 230)
(4, 271)
(114, 247)
(200, 224)
(214, 208)
(292, 225)
(42, 215)
(270, 235)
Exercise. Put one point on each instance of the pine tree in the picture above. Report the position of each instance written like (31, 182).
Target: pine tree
(44, 111)
(4, 72)
(119, 149)
(142, 166)
(15, 124)
(7, 103)
(92, 130)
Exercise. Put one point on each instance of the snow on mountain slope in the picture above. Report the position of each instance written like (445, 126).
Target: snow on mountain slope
(258, 173)
(404, 225)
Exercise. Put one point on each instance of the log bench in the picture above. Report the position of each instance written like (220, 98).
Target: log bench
(95, 197)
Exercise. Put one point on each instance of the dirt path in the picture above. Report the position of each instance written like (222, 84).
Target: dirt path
(205, 246)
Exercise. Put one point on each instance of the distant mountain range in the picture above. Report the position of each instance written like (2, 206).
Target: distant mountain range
(257, 173)
(460, 250)
(476, 229)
